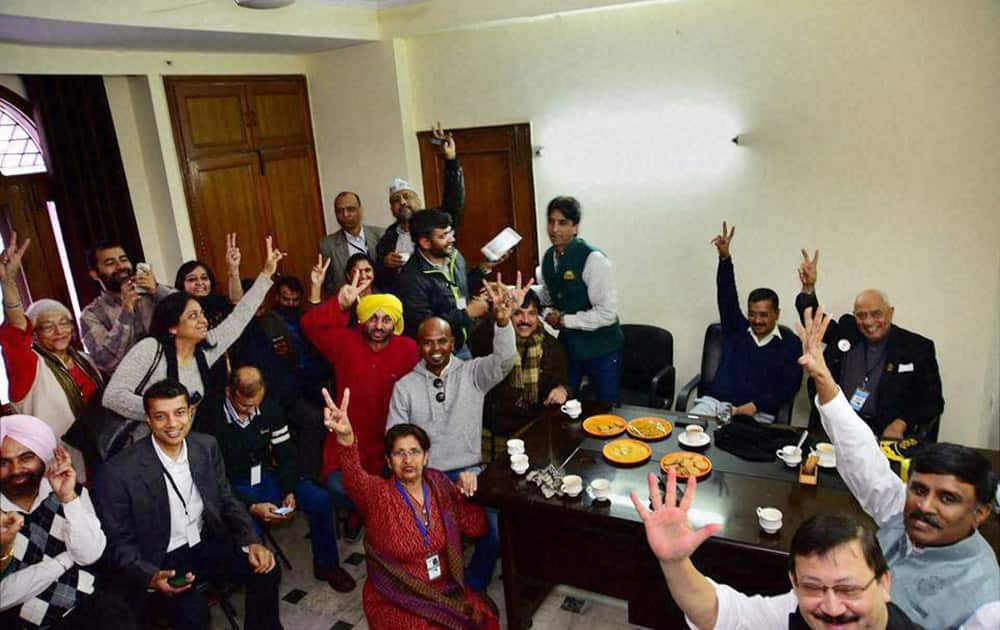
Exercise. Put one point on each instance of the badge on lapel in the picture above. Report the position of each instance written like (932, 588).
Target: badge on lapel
(843, 345)
(569, 275)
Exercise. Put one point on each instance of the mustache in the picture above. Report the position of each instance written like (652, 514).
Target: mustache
(919, 515)
(839, 620)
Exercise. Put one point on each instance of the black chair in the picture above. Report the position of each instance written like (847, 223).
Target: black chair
(711, 354)
(648, 375)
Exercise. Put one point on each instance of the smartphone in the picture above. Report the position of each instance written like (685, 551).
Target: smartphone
(143, 268)
(283, 510)
(437, 141)
(178, 580)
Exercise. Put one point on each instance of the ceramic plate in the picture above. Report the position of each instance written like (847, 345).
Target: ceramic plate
(650, 428)
(694, 440)
(605, 425)
(627, 452)
(686, 464)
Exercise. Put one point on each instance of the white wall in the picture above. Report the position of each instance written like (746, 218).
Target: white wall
(870, 133)
(14, 83)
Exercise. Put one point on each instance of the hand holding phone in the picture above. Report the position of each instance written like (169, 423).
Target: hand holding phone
(179, 579)
(283, 511)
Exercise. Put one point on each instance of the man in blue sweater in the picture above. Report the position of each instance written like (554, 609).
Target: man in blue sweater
(759, 370)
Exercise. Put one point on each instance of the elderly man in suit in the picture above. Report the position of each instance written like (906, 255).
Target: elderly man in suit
(173, 522)
(352, 238)
(889, 374)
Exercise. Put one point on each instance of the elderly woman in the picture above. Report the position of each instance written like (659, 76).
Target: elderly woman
(413, 545)
(49, 377)
(196, 279)
(182, 347)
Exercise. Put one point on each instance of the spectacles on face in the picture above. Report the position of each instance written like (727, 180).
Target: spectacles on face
(403, 453)
(439, 384)
(48, 328)
(849, 592)
(863, 316)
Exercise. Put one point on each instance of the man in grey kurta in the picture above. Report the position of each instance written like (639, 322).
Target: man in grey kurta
(944, 573)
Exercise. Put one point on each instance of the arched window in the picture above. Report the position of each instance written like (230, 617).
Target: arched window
(19, 147)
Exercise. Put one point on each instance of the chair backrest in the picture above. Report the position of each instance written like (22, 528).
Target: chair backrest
(646, 350)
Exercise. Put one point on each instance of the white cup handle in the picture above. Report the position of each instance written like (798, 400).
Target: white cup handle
(759, 513)
(779, 454)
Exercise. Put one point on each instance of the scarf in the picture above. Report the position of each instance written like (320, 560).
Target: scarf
(527, 370)
(452, 608)
(73, 394)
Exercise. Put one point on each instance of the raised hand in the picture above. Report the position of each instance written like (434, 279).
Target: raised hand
(811, 335)
(350, 292)
(447, 142)
(273, 256)
(10, 258)
(808, 271)
(516, 293)
(335, 418)
(62, 476)
(722, 241)
(668, 531)
(318, 273)
(233, 256)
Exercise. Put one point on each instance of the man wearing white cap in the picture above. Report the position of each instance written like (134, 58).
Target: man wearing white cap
(45, 584)
(396, 246)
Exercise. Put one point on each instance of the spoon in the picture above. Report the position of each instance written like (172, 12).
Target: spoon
(802, 439)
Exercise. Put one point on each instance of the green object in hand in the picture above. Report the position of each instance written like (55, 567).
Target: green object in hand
(178, 580)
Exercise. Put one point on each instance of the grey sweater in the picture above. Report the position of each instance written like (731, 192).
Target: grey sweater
(120, 397)
(455, 426)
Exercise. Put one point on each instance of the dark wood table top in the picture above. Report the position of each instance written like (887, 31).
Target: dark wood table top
(729, 495)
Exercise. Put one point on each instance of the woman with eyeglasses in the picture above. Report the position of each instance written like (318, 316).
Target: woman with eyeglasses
(49, 377)
(181, 346)
(413, 543)
(197, 280)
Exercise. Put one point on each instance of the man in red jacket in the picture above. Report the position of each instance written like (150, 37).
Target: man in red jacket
(367, 359)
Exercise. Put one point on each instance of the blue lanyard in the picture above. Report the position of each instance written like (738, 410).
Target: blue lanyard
(420, 522)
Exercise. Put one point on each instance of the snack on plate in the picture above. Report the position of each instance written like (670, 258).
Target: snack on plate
(686, 464)
(650, 428)
(627, 452)
(605, 425)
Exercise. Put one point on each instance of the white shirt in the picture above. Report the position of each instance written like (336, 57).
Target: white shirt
(81, 533)
(356, 244)
(404, 242)
(767, 338)
(601, 291)
(180, 471)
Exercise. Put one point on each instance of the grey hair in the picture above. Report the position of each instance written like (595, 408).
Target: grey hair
(44, 306)
(878, 292)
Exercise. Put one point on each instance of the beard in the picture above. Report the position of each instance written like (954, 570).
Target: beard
(113, 282)
(23, 485)
(290, 313)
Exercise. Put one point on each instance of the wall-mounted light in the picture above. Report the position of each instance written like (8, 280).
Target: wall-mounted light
(263, 4)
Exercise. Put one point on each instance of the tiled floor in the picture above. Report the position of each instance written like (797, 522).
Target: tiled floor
(318, 607)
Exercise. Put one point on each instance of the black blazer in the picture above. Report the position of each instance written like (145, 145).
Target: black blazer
(913, 394)
(135, 511)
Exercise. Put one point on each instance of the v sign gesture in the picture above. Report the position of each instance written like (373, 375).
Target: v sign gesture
(10, 258)
(722, 241)
(335, 418)
(506, 299)
(808, 271)
(273, 256)
(350, 292)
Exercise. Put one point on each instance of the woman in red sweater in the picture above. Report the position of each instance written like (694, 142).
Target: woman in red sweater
(413, 545)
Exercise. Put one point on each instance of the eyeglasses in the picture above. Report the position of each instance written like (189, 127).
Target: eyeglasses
(439, 384)
(862, 316)
(403, 454)
(842, 591)
(50, 327)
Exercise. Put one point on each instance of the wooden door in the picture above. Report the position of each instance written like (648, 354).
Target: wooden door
(226, 197)
(291, 189)
(247, 148)
(214, 118)
(499, 186)
(23, 210)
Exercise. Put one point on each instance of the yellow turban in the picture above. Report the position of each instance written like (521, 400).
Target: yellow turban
(387, 302)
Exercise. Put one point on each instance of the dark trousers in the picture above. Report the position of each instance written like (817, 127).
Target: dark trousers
(222, 561)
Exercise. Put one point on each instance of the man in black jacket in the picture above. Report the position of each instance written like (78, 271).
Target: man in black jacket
(172, 520)
(889, 374)
(397, 245)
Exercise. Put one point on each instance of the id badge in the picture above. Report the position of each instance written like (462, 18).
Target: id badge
(193, 535)
(433, 566)
(858, 399)
(461, 303)
(255, 474)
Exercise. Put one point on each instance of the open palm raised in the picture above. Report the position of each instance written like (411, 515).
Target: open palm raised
(668, 531)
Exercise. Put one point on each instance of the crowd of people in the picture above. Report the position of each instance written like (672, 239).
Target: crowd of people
(146, 469)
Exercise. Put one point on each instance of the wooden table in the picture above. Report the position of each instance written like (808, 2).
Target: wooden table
(601, 546)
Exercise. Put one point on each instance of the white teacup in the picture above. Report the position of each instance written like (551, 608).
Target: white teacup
(791, 455)
(694, 429)
(519, 463)
(404, 255)
(769, 519)
(599, 489)
(515, 447)
(572, 485)
(826, 453)
(572, 408)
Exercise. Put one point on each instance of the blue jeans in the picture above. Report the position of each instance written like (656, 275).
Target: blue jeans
(309, 498)
(604, 373)
(337, 492)
(484, 558)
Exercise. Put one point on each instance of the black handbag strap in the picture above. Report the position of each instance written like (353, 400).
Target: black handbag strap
(149, 373)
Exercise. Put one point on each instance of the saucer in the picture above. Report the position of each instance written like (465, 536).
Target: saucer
(572, 494)
(829, 465)
(791, 463)
(694, 440)
(519, 472)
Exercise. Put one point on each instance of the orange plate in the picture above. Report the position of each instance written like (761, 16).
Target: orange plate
(650, 428)
(686, 462)
(605, 425)
(627, 452)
